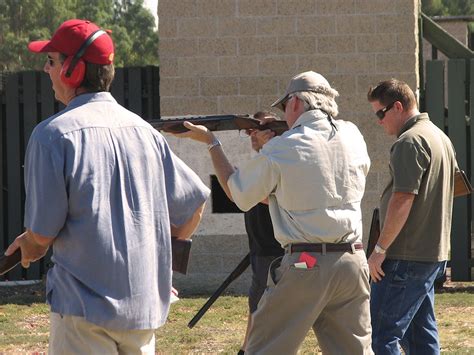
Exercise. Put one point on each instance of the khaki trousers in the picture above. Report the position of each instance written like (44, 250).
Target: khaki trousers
(75, 335)
(332, 298)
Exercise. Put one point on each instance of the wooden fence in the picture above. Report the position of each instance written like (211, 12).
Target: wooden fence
(448, 97)
(26, 98)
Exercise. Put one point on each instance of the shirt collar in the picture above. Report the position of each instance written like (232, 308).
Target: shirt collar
(90, 97)
(308, 117)
(412, 121)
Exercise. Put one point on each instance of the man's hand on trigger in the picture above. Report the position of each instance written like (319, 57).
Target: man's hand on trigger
(259, 138)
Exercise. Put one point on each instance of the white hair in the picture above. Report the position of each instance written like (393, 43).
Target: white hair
(323, 98)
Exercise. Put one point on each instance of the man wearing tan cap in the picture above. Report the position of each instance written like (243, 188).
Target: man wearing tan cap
(105, 191)
(314, 178)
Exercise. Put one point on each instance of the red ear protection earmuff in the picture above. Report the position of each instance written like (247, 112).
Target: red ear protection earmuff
(74, 68)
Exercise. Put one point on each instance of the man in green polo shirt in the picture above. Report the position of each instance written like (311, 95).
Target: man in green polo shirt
(416, 208)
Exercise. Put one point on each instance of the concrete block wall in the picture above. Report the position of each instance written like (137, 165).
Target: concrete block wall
(236, 56)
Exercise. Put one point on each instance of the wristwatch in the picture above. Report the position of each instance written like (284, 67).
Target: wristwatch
(379, 250)
(215, 142)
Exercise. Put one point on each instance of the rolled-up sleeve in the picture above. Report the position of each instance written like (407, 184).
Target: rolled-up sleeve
(253, 181)
(46, 204)
(185, 191)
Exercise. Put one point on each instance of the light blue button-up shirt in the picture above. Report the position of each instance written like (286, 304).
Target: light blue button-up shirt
(106, 185)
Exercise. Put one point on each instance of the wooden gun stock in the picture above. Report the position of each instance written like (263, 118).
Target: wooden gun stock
(462, 186)
(9, 262)
(218, 123)
(374, 232)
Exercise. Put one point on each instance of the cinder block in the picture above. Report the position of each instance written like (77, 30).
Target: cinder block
(258, 85)
(228, 223)
(344, 84)
(406, 42)
(336, 44)
(207, 283)
(399, 23)
(324, 7)
(207, 263)
(372, 182)
(352, 106)
(219, 86)
(323, 64)
(365, 81)
(275, 26)
(198, 66)
(168, 66)
(217, 46)
(197, 27)
(396, 63)
(356, 63)
(179, 9)
(257, 8)
(230, 262)
(297, 45)
(216, 8)
(236, 27)
(241, 65)
(257, 45)
(278, 65)
(372, 43)
(182, 47)
(316, 25)
(176, 86)
(356, 24)
(238, 104)
(264, 104)
(168, 27)
(292, 8)
(174, 106)
(377, 7)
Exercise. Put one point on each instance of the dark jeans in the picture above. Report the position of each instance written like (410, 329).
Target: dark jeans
(402, 308)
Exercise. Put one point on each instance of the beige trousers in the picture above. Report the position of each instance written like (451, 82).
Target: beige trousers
(75, 335)
(332, 298)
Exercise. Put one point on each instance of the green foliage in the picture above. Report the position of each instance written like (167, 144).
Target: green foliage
(448, 7)
(133, 29)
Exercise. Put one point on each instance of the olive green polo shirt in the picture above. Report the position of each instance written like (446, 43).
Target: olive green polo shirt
(422, 162)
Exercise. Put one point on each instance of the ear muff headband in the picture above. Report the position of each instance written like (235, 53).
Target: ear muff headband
(80, 52)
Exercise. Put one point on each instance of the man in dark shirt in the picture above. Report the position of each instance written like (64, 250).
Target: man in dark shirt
(263, 250)
(262, 243)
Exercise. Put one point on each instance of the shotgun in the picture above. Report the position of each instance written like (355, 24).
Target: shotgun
(180, 250)
(217, 123)
(374, 232)
(243, 265)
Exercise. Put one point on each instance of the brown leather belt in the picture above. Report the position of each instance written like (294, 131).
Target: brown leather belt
(324, 247)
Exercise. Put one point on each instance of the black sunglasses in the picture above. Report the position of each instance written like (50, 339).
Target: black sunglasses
(283, 104)
(381, 113)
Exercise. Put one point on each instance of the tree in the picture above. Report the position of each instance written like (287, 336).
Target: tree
(447, 7)
(22, 21)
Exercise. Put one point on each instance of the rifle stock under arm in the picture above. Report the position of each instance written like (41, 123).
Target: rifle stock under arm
(218, 123)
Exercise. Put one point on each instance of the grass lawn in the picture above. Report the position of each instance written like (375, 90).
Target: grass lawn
(24, 322)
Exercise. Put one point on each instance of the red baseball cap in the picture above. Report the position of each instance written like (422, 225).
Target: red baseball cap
(70, 36)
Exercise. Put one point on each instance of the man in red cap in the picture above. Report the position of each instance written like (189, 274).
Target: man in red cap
(105, 190)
